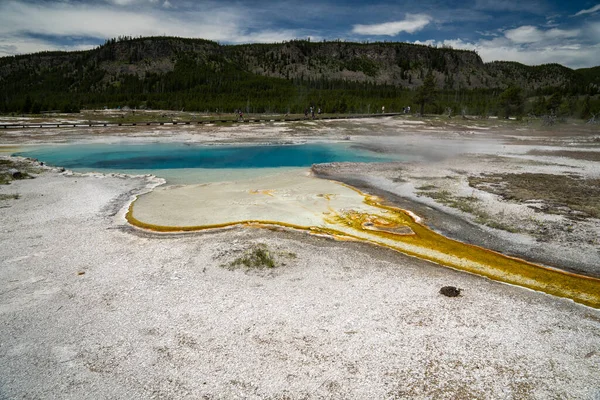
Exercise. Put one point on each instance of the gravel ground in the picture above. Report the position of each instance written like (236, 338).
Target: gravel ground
(92, 308)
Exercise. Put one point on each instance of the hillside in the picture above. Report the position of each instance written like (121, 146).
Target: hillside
(198, 74)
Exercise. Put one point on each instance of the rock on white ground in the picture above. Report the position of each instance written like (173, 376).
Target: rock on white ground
(156, 316)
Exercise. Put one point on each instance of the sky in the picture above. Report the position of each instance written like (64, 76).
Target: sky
(532, 32)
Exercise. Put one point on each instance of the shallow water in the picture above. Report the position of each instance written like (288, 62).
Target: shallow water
(190, 163)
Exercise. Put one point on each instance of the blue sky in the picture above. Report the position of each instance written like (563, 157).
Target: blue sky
(531, 32)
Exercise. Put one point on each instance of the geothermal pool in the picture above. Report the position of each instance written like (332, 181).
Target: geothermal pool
(182, 163)
(270, 185)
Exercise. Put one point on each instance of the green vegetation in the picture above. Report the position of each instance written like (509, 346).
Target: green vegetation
(463, 203)
(426, 93)
(511, 102)
(24, 169)
(259, 257)
(200, 75)
(6, 178)
(12, 196)
(467, 204)
(570, 196)
(486, 219)
(363, 64)
(427, 187)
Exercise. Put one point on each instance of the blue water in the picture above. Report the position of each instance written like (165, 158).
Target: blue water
(180, 163)
(158, 156)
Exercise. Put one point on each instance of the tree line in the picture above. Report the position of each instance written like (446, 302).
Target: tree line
(214, 83)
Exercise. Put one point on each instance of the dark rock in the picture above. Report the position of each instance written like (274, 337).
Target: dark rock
(450, 291)
(15, 173)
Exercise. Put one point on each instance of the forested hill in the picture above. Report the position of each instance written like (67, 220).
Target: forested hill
(197, 74)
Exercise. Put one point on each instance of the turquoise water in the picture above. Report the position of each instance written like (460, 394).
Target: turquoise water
(174, 158)
(178, 155)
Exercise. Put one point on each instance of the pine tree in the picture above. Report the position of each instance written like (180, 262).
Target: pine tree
(586, 111)
(426, 93)
(512, 101)
(27, 105)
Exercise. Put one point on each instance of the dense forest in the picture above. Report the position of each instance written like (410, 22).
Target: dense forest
(338, 77)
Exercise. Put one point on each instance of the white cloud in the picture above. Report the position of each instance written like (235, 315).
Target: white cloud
(429, 42)
(19, 21)
(16, 45)
(8, 49)
(555, 33)
(524, 34)
(487, 33)
(551, 20)
(270, 36)
(573, 55)
(593, 30)
(589, 10)
(532, 34)
(75, 20)
(412, 23)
